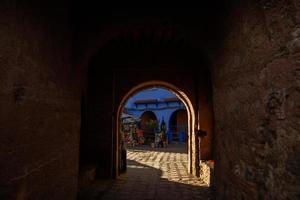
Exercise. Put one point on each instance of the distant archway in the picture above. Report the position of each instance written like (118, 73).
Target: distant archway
(185, 100)
(178, 125)
(146, 117)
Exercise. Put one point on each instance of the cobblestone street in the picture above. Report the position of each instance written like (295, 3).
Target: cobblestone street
(153, 174)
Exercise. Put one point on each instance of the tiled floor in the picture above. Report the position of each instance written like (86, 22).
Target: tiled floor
(153, 174)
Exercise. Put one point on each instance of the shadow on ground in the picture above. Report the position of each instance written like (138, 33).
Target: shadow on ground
(142, 182)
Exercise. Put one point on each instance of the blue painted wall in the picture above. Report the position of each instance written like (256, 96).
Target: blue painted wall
(162, 110)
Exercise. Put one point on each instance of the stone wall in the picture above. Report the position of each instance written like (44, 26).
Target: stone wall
(39, 108)
(257, 103)
(130, 58)
(97, 140)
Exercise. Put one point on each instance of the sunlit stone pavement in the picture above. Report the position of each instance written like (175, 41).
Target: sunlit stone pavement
(154, 174)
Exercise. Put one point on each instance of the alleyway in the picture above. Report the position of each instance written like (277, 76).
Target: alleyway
(153, 174)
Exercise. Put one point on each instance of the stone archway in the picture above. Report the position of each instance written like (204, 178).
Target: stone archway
(185, 100)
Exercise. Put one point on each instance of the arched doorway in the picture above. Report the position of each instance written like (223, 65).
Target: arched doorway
(178, 126)
(147, 118)
(181, 95)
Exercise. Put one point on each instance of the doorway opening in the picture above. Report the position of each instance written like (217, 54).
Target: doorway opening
(155, 161)
(178, 126)
(144, 121)
(147, 123)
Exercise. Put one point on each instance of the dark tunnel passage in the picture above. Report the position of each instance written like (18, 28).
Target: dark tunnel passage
(67, 67)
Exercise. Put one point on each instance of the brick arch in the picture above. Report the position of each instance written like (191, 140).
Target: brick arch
(184, 99)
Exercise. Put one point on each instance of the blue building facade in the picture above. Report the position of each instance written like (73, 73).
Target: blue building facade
(164, 105)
